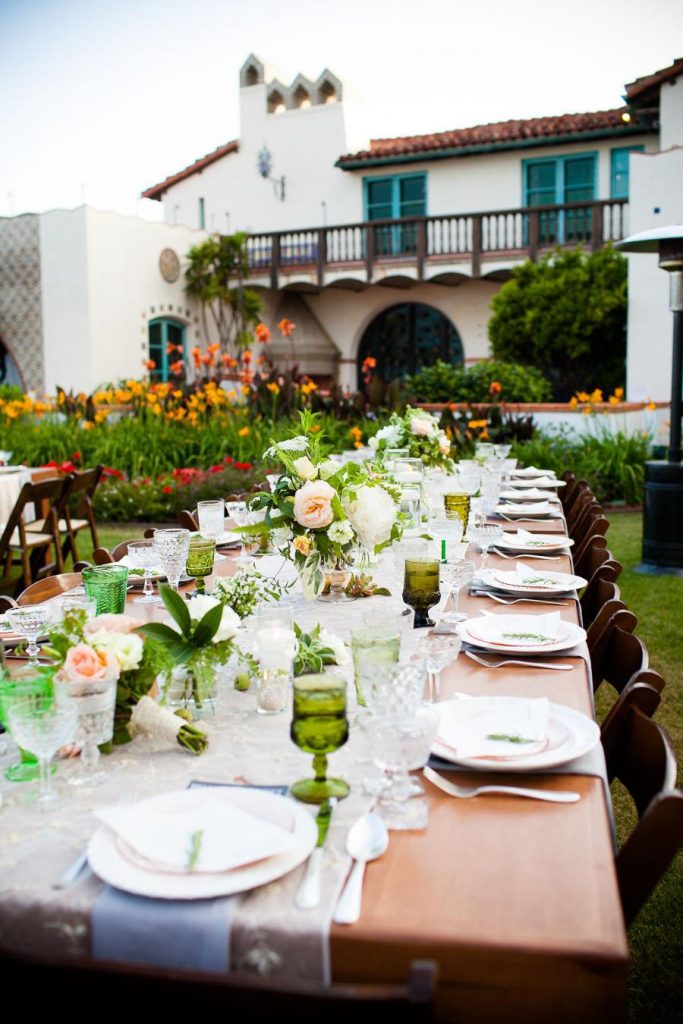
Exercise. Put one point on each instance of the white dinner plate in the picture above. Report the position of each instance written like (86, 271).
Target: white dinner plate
(570, 635)
(571, 734)
(229, 539)
(522, 511)
(540, 542)
(520, 496)
(562, 582)
(11, 469)
(532, 481)
(531, 472)
(113, 867)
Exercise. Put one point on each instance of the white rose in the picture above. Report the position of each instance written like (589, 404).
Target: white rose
(281, 535)
(423, 426)
(327, 469)
(200, 604)
(125, 647)
(392, 434)
(337, 645)
(372, 514)
(340, 532)
(444, 444)
(305, 468)
(373, 443)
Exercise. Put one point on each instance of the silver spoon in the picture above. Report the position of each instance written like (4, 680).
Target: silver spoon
(367, 840)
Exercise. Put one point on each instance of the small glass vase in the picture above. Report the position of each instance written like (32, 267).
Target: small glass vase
(188, 688)
(336, 582)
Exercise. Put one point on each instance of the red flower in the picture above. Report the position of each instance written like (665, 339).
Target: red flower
(76, 457)
(108, 471)
(67, 467)
(286, 326)
(167, 489)
(216, 469)
(262, 334)
(229, 459)
(149, 364)
(246, 356)
(243, 465)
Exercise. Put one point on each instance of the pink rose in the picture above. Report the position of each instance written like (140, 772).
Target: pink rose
(313, 505)
(112, 623)
(84, 664)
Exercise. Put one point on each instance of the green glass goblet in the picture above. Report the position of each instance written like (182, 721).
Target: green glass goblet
(200, 558)
(421, 587)
(319, 727)
(28, 681)
(108, 585)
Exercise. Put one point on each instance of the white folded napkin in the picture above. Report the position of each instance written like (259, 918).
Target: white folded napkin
(531, 471)
(541, 481)
(535, 506)
(516, 630)
(467, 728)
(529, 577)
(528, 494)
(200, 834)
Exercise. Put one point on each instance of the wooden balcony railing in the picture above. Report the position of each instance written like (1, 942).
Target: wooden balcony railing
(472, 238)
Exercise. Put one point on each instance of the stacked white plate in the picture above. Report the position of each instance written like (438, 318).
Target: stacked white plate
(521, 634)
(531, 581)
(529, 542)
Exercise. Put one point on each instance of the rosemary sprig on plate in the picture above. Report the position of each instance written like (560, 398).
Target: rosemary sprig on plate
(503, 737)
(526, 636)
(195, 849)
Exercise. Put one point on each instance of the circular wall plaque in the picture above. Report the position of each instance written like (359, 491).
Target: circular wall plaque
(169, 265)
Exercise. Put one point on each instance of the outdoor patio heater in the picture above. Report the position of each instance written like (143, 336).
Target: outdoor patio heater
(663, 500)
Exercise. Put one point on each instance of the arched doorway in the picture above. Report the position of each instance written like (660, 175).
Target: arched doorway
(9, 372)
(407, 336)
(166, 345)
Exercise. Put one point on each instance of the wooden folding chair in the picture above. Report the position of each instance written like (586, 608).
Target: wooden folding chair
(601, 588)
(643, 692)
(594, 526)
(643, 761)
(30, 550)
(82, 489)
(53, 586)
(620, 657)
(592, 557)
(613, 615)
(188, 520)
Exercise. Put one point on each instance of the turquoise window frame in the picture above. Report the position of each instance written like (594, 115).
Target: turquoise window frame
(559, 225)
(202, 212)
(161, 371)
(613, 153)
(394, 240)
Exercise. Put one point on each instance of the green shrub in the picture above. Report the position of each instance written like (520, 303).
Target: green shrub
(566, 315)
(486, 381)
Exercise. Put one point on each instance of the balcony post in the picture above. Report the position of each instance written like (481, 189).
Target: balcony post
(369, 251)
(322, 256)
(596, 227)
(533, 235)
(476, 246)
(421, 248)
(274, 261)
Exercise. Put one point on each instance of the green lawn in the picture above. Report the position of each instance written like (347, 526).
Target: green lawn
(656, 938)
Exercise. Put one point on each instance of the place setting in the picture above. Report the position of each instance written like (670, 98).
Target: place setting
(518, 634)
(524, 542)
(524, 579)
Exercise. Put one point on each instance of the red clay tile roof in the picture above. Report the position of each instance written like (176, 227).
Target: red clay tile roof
(502, 133)
(157, 191)
(647, 82)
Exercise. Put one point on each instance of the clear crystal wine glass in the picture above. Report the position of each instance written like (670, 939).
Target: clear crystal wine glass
(211, 516)
(455, 573)
(5, 456)
(94, 701)
(30, 622)
(439, 651)
(142, 554)
(484, 536)
(171, 547)
(401, 743)
(241, 516)
(43, 726)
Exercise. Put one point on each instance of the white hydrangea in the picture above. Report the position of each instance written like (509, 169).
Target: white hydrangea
(372, 514)
(392, 434)
(341, 532)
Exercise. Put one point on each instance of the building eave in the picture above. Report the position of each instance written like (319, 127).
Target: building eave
(157, 191)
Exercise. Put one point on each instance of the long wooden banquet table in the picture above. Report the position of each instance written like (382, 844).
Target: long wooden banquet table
(515, 900)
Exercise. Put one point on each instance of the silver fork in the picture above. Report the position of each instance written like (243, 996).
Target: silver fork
(565, 797)
(546, 558)
(517, 600)
(516, 661)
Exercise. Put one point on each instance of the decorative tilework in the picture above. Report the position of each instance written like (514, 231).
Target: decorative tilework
(21, 320)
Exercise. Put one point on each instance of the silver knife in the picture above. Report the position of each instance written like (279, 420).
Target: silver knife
(308, 893)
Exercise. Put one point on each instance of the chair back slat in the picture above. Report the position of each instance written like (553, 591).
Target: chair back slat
(644, 693)
(53, 586)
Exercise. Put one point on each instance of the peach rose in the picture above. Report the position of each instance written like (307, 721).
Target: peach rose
(313, 505)
(112, 623)
(84, 664)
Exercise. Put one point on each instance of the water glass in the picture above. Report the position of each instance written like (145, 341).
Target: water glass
(484, 536)
(399, 744)
(30, 621)
(43, 726)
(200, 558)
(408, 472)
(142, 555)
(391, 456)
(94, 701)
(421, 587)
(28, 681)
(439, 651)
(241, 516)
(108, 585)
(394, 687)
(455, 574)
(501, 451)
(78, 603)
(373, 646)
(319, 727)
(490, 493)
(171, 548)
(211, 516)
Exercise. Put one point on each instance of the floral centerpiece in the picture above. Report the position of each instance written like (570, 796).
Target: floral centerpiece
(419, 432)
(248, 588)
(320, 511)
(111, 645)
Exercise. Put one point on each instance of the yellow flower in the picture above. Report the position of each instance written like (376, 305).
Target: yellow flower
(356, 433)
(192, 418)
(583, 396)
(246, 390)
(88, 425)
(273, 388)
(619, 393)
(596, 396)
(302, 545)
(358, 444)
(244, 432)
(651, 406)
(573, 401)
(232, 394)
(315, 428)
(101, 415)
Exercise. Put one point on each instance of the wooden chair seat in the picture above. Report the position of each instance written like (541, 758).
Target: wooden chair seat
(34, 540)
(76, 525)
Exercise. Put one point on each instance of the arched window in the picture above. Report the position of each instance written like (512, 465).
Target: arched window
(9, 374)
(276, 102)
(405, 337)
(166, 345)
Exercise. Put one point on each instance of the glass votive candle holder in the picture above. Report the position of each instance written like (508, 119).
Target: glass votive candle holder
(108, 585)
(421, 588)
(200, 558)
(272, 690)
(391, 455)
(373, 645)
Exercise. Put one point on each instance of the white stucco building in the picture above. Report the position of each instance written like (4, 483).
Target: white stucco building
(389, 247)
